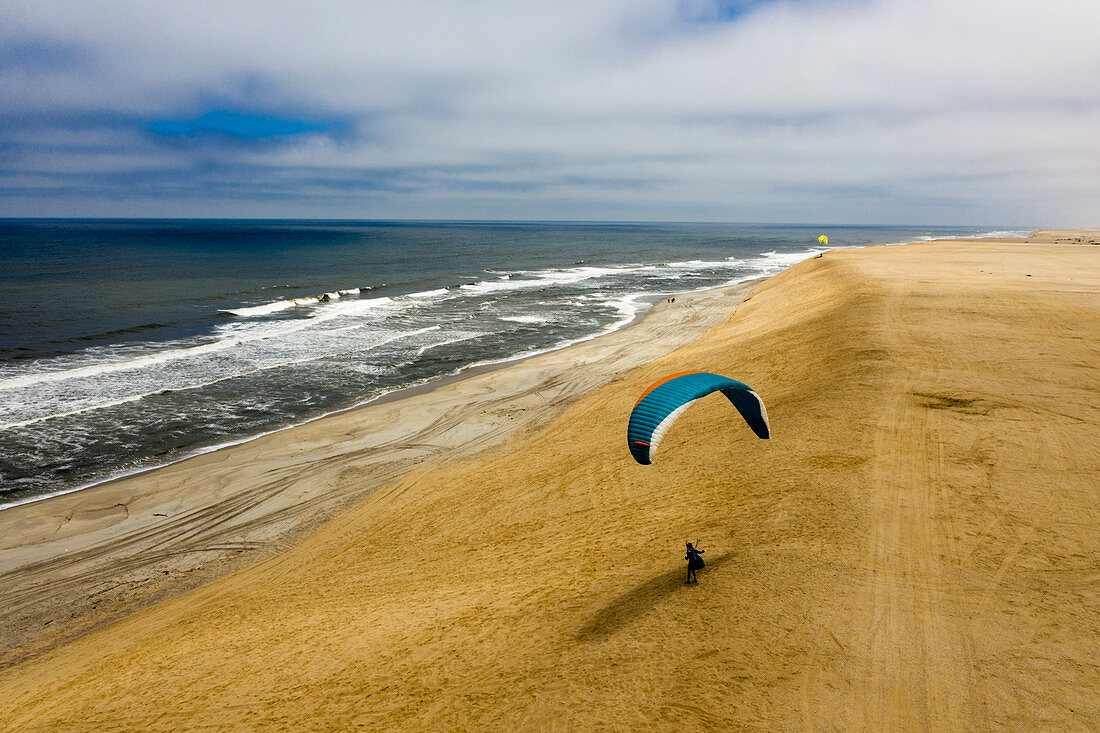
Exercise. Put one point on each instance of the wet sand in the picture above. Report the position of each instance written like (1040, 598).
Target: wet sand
(917, 547)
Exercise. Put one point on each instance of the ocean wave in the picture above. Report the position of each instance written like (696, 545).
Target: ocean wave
(429, 294)
(994, 234)
(254, 311)
(768, 263)
(357, 307)
(525, 319)
(629, 307)
(120, 332)
(264, 309)
(228, 337)
(454, 339)
(247, 328)
(77, 411)
(121, 363)
(192, 381)
(672, 270)
(999, 234)
(700, 264)
(535, 279)
(541, 279)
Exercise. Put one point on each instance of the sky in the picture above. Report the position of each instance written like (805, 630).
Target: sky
(953, 112)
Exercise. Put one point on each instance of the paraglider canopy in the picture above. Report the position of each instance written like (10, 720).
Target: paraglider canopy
(823, 238)
(665, 400)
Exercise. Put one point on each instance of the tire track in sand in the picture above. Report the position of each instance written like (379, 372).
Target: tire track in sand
(915, 662)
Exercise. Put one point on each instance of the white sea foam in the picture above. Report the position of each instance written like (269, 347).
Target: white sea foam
(999, 234)
(667, 268)
(455, 338)
(115, 365)
(769, 263)
(525, 319)
(254, 311)
(358, 307)
(230, 336)
(112, 393)
(541, 279)
(69, 413)
(629, 306)
(438, 292)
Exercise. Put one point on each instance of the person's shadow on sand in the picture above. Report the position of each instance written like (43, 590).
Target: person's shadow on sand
(640, 600)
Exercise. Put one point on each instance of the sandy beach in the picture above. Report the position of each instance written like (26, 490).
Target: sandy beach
(78, 561)
(915, 548)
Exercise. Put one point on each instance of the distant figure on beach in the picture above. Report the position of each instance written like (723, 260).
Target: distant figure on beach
(694, 563)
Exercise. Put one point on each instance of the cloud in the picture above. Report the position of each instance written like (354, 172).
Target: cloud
(857, 111)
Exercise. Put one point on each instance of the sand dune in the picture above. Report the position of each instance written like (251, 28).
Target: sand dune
(80, 561)
(915, 548)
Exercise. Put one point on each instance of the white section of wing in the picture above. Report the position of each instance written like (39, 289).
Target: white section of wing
(664, 425)
(763, 410)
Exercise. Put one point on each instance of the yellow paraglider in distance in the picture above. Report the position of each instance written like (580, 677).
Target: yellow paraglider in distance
(824, 239)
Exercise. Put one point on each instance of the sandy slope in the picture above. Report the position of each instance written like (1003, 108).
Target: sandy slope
(916, 547)
(77, 562)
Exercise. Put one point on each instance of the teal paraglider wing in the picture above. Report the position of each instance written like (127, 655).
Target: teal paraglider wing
(663, 403)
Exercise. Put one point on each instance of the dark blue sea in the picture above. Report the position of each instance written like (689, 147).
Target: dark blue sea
(129, 344)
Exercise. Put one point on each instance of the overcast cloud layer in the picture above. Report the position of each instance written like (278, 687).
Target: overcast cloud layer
(854, 111)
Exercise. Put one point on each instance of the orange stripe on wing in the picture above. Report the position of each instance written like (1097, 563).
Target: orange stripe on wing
(661, 381)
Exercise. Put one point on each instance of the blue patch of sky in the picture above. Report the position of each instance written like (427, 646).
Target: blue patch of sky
(246, 125)
(719, 11)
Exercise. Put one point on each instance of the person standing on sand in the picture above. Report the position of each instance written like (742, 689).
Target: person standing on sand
(694, 563)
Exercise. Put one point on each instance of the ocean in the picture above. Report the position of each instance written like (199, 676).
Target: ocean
(125, 345)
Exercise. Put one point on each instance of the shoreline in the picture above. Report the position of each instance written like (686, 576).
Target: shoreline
(915, 546)
(65, 550)
(97, 476)
(471, 370)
